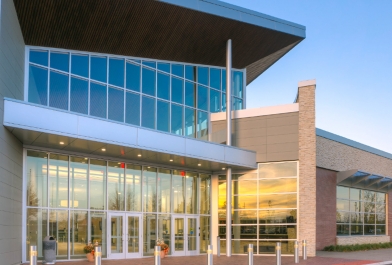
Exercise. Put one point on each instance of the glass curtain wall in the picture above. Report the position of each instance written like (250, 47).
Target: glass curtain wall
(360, 212)
(72, 199)
(169, 97)
(264, 207)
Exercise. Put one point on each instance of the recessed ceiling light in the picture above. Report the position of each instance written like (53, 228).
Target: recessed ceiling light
(61, 142)
(148, 167)
(199, 165)
(223, 168)
(103, 149)
(139, 155)
(118, 163)
(85, 158)
(171, 160)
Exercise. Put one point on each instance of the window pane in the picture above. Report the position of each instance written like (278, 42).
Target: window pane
(163, 86)
(79, 95)
(58, 228)
(380, 197)
(224, 101)
(150, 189)
(342, 192)
(97, 184)
(380, 208)
(164, 229)
(277, 216)
(202, 125)
(245, 187)
(178, 70)
(237, 103)
(215, 102)
(356, 206)
(59, 61)
(204, 233)
(78, 233)
(205, 189)
(164, 190)
(177, 119)
(39, 57)
(36, 229)
(237, 84)
(191, 192)
(380, 219)
(245, 217)
(369, 218)
(278, 201)
(190, 119)
(224, 80)
(97, 100)
(369, 196)
(38, 85)
(278, 170)
(343, 205)
(245, 202)
(149, 63)
(202, 75)
(277, 232)
(98, 229)
(356, 230)
(116, 104)
(190, 72)
(278, 185)
(78, 182)
(132, 112)
(202, 98)
(177, 90)
(380, 230)
(369, 207)
(79, 65)
(215, 78)
(165, 67)
(116, 186)
(190, 94)
(178, 191)
(148, 112)
(148, 84)
(356, 218)
(133, 77)
(343, 230)
(369, 229)
(58, 181)
(98, 68)
(342, 217)
(149, 234)
(37, 189)
(163, 115)
(133, 188)
(58, 94)
(355, 194)
(116, 72)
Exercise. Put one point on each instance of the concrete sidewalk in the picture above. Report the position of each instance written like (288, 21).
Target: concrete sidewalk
(379, 254)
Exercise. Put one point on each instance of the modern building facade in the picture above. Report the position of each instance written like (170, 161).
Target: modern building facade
(115, 131)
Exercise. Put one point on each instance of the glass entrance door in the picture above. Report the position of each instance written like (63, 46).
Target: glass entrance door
(185, 235)
(124, 236)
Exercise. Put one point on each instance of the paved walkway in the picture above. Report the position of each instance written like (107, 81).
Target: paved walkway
(379, 254)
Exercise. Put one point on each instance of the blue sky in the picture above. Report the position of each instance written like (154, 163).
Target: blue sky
(348, 50)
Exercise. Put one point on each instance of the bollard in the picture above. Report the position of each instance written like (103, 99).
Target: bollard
(218, 246)
(157, 255)
(98, 255)
(296, 252)
(304, 254)
(278, 253)
(250, 254)
(209, 255)
(33, 255)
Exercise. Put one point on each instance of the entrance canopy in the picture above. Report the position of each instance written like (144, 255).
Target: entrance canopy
(355, 178)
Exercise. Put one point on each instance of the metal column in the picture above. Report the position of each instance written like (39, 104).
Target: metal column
(33, 255)
(228, 142)
(98, 255)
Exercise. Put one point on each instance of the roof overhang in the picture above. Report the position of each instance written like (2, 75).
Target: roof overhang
(355, 178)
(192, 31)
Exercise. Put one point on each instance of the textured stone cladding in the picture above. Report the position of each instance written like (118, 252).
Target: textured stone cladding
(325, 208)
(307, 167)
(351, 240)
(12, 50)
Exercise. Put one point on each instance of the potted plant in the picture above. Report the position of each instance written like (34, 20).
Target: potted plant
(89, 250)
(164, 247)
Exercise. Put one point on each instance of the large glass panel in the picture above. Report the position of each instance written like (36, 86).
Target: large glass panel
(59, 61)
(116, 72)
(37, 177)
(191, 192)
(78, 233)
(58, 181)
(202, 125)
(178, 70)
(116, 104)
(369, 230)
(356, 206)
(342, 217)
(356, 230)
(369, 196)
(202, 75)
(179, 240)
(192, 234)
(133, 77)
(356, 218)
(39, 57)
(237, 84)
(215, 101)
(380, 197)
(149, 189)
(343, 205)
(342, 230)
(190, 94)
(224, 100)
(79, 95)
(381, 219)
(380, 230)
(245, 202)
(148, 83)
(58, 94)
(38, 85)
(163, 116)
(369, 218)
(369, 207)
(132, 111)
(58, 227)
(277, 216)
(165, 67)
(97, 184)
(202, 98)
(148, 112)
(190, 72)
(204, 233)
(237, 103)
(224, 81)
(342, 192)
(116, 234)
(205, 189)
(163, 86)
(98, 230)
(355, 194)
(278, 201)
(247, 187)
(164, 190)
(190, 119)
(164, 229)
(278, 185)
(278, 170)
(98, 100)
(178, 180)
(215, 78)
(151, 64)
(149, 234)
(78, 182)
(116, 186)
(133, 188)
(98, 68)
(177, 93)
(245, 217)
(177, 119)
(79, 65)
(36, 229)
(133, 234)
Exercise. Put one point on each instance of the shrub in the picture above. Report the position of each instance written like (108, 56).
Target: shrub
(357, 247)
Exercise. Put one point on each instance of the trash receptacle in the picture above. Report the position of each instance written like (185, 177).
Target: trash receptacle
(49, 250)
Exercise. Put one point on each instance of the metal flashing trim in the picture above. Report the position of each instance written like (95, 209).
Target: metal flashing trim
(346, 141)
(311, 82)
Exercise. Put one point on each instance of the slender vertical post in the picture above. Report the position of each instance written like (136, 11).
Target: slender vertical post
(228, 142)
(33, 255)
(296, 252)
(218, 246)
(278, 251)
(157, 255)
(98, 255)
(304, 254)
(250, 254)
(209, 255)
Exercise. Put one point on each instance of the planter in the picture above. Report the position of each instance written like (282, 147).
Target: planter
(163, 254)
(90, 257)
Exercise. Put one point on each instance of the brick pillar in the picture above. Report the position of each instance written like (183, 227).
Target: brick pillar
(307, 165)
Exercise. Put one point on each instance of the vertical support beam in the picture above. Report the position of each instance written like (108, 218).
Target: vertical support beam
(228, 142)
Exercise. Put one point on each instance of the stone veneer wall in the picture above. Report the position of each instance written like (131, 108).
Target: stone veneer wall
(351, 240)
(307, 165)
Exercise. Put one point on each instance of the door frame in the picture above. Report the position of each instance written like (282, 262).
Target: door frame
(185, 252)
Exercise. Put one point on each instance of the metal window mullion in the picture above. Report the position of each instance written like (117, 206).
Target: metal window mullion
(105, 189)
(107, 87)
(125, 96)
(69, 210)
(140, 94)
(48, 85)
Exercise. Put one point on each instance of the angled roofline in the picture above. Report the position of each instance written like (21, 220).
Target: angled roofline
(346, 141)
